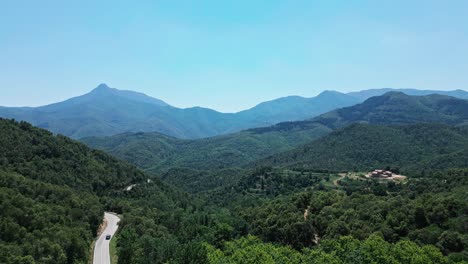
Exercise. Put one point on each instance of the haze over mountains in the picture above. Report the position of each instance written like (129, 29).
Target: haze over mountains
(106, 111)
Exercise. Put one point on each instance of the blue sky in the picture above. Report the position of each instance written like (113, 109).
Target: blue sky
(228, 55)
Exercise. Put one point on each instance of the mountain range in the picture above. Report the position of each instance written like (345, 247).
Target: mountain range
(156, 152)
(108, 111)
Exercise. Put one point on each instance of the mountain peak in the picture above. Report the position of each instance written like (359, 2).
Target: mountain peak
(329, 93)
(102, 87)
(104, 92)
(329, 96)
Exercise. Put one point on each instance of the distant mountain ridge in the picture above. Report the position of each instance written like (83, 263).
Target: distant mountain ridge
(366, 94)
(155, 152)
(396, 108)
(108, 111)
(295, 108)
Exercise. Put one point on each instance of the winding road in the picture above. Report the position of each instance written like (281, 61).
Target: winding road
(101, 248)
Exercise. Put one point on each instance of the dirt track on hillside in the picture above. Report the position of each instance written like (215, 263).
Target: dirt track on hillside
(335, 182)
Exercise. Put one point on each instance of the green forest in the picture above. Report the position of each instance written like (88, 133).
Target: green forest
(363, 147)
(156, 153)
(397, 108)
(54, 192)
(297, 206)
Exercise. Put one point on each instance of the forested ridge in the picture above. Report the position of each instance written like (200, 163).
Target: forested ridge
(358, 147)
(45, 223)
(397, 108)
(361, 147)
(156, 153)
(54, 191)
(40, 155)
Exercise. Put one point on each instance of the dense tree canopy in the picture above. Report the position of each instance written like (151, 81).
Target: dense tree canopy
(335, 251)
(54, 190)
(53, 194)
(361, 147)
(44, 222)
(157, 153)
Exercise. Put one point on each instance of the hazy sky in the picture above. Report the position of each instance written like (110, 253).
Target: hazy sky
(228, 55)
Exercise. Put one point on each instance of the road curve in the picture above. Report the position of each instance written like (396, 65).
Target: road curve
(101, 248)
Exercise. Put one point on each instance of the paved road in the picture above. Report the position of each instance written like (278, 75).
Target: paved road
(101, 248)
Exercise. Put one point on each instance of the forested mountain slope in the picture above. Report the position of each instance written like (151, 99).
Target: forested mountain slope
(51, 191)
(39, 155)
(426, 210)
(395, 108)
(43, 218)
(156, 152)
(45, 223)
(365, 147)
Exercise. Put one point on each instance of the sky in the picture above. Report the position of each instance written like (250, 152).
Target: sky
(228, 55)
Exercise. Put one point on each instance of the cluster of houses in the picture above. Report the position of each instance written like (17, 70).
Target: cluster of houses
(381, 174)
